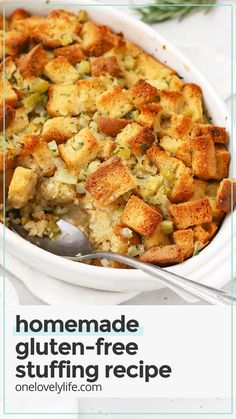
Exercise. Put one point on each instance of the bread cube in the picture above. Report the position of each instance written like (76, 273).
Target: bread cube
(176, 125)
(8, 65)
(16, 42)
(177, 147)
(32, 64)
(191, 213)
(226, 195)
(18, 14)
(63, 101)
(204, 233)
(88, 92)
(203, 157)
(222, 162)
(114, 102)
(60, 129)
(111, 126)
(193, 96)
(103, 65)
(19, 123)
(7, 94)
(73, 53)
(150, 68)
(60, 71)
(36, 147)
(5, 181)
(58, 29)
(57, 193)
(163, 256)
(7, 113)
(79, 150)
(218, 134)
(142, 93)
(22, 187)
(140, 217)
(6, 159)
(172, 101)
(184, 239)
(138, 138)
(148, 114)
(97, 39)
(110, 181)
(177, 176)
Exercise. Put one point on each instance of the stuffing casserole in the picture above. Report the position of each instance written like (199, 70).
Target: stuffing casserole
(102, 134)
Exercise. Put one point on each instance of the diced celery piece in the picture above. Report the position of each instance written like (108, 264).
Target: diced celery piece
(167, 227)
(32, 100)
(66, 39)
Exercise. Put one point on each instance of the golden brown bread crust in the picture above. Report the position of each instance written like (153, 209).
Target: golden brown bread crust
(98, 39)
(184, 239)
(166, 255)
(22, 187)
(36, 147)
(148, 114)
(32, 64)
(103, 65)
(140, 216)
(191, 213)
(16, 42)
(7, 94)
(222, 162)
(111, 126)
(111, 180)
(140, 142)
(203, 157)
(60, 129)
(218, 134)
(142, 93)
(226, 195)
(73, 53)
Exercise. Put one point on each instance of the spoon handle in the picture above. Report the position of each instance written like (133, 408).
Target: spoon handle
(212, 295)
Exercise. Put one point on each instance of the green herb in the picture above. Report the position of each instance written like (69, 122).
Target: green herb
(79, 127)
(79, 145)
(162, 10)
(65, 94)
(86, 168)
(144, 147)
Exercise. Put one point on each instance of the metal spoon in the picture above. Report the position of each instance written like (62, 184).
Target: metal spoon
(74, 245)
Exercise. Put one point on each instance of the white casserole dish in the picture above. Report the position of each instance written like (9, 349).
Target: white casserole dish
(213, 266)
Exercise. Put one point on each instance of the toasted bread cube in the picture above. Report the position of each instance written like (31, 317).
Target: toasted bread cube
(148, 114)
(63, 100)
(32, 64)
(18, 14)
(7, 113)
(138, 138)
(57, 193)
(226, 195)
(172, 101)
(142, 93)
(73, 53)
(9, 66)
(110, 181)
(22, 187)
(152, 69)
(16, 42)
(97, 39)
(107, 149)
(203, 157)
(88, 91)
(193, 96)
(103, 65)
(204, 233)
(218, 134)
(111, 126)
(184, 239)
(157, 238)
(174, 171)
(191, 213)
(200, 189)
(79, 150)
(123, 238)
(176, 125)
(19, 123)
(60, 71)
(60, 129)
(58, 29)
(36, 147)
(178, 147)
(222, 162)
(140, 217)
(163, 256)
(7, 94)
(114, 102)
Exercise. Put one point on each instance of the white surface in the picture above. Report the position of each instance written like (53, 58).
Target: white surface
(189, 29)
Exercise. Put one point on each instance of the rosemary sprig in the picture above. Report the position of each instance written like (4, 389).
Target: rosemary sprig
(172, 9)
